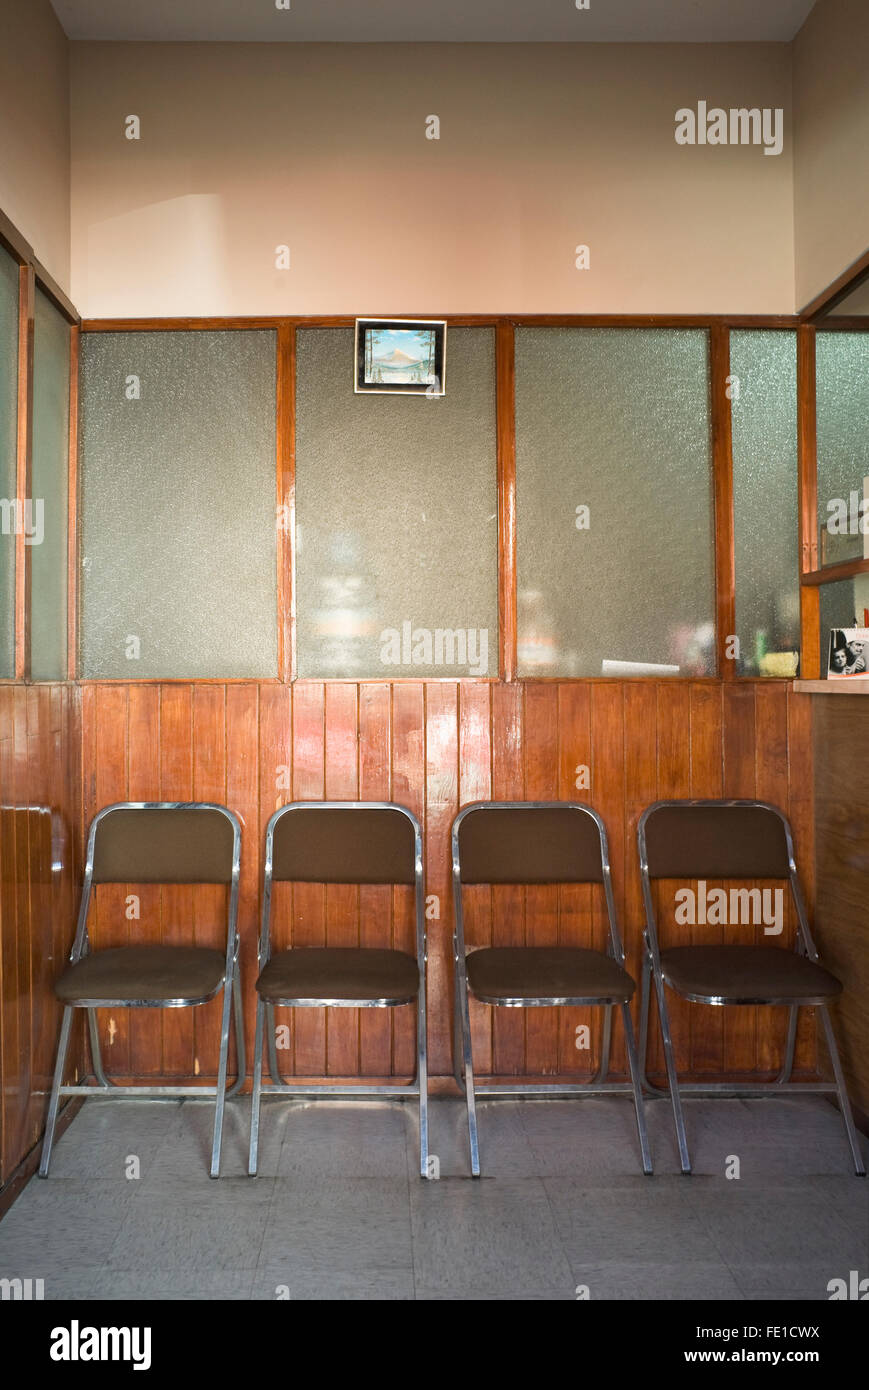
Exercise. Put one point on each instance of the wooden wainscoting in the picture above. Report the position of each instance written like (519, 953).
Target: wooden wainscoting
(434, 746)
(40, 747)
(842, 831)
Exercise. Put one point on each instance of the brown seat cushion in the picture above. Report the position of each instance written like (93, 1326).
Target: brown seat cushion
(496, 974)
(746, 974)
(344, 973)
(154, 974)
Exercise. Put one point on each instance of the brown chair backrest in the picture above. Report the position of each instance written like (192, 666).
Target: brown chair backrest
(343, 844)
(163, 845)
(715, 840)
(529, 844)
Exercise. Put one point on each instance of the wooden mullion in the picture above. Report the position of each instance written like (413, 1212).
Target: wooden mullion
(24, 468)
(286, 497)
(722, 467)
(72, 544)
(807, 444)
(505, 390)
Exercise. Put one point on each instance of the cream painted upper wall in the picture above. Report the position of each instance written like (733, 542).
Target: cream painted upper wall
(34, 130)
(831, 115)
(322, 147)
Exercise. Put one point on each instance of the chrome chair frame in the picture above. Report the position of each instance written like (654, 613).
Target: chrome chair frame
(803, 945)
(231, 986)
(265, 1010)
(463, 1067)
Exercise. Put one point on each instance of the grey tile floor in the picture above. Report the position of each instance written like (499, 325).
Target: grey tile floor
(338, 1211)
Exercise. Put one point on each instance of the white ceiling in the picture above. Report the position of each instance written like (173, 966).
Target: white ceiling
(447, 21)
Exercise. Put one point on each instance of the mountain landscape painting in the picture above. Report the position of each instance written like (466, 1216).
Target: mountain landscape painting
(406, 357)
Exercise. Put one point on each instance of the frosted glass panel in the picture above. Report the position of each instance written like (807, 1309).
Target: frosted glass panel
(178, 504)
(50, 487)
(843, 444)
(8, 433)
(396, 517)
(614, 502)
(765, 510)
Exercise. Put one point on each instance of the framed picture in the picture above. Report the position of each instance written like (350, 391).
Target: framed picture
(400, 357)
(849, 653)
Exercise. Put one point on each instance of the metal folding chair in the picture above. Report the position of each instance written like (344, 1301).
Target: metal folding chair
(161, 842)
(537, 842)
(354, 842)
(732, 840)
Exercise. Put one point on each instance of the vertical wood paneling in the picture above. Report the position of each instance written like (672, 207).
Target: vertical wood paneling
(641, 789)
(508, 903)
(442, 803)
(13, 867)
(209, 900)
(541, 903)
(475, 784)
(771, 725)
(275, 789)
(575, 921)
(375, 900)
(242, 795)
(40, 748)
(432, 747)
(342, 900)
(806, 822)
(740, 761)
(25, 872)
(842, 837)
(608, 783)
(707, 772)
(674, 774)
(176, 784)
(110, 926)
(309, 900)
(408, 789)
(143, 784)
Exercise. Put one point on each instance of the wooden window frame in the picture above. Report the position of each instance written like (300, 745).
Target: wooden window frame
(504, 327)
(32, 275)
(812, 575)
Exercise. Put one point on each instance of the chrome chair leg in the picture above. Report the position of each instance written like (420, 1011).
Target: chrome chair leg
(675, 1098)
(220, 1098)
(261, 1010)
(639, 1104)
(422, 1082)
(458, 1073)
(96, 1052)
(844, 1102)
(238, 1030)
(470, 1098)
(51, 1122)
(606, 1045)
(645, 1009)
